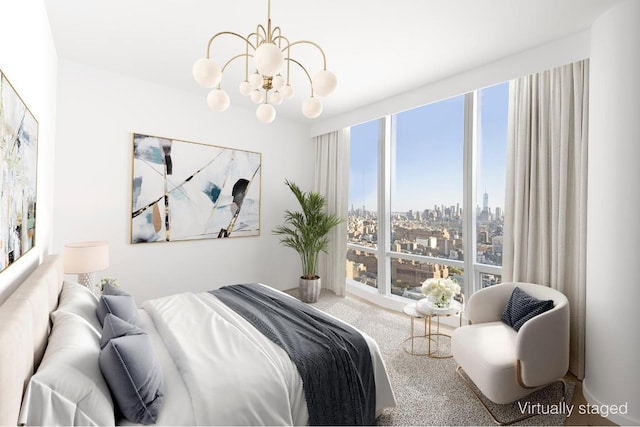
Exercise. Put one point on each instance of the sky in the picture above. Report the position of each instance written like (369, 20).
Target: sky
(428, 166)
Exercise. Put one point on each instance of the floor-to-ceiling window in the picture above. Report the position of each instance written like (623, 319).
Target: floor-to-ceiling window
(426, 194)
(427, 163)
(491, 149)
(362, 225)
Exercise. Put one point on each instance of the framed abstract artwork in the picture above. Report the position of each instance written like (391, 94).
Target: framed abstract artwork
(18, 175)
(188, 191)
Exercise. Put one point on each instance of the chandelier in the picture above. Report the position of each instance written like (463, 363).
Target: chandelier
(266, 86)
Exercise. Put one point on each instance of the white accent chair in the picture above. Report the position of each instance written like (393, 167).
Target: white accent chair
(506, 364)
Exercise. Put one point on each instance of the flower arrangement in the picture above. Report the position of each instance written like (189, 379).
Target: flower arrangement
(440, 291)
(109, 280)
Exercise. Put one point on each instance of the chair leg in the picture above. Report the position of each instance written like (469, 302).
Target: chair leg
(515, 420)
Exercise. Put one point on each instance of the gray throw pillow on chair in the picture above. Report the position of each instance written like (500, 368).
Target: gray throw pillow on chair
(522, 307)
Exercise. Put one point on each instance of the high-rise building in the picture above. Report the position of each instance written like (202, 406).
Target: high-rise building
(485, 202)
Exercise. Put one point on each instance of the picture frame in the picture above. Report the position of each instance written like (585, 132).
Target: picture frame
(191, 191)
(19, 175)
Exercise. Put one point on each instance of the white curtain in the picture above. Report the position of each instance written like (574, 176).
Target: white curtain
(332, 181)
(546, 194)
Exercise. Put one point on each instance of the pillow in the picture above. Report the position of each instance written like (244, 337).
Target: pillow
(78, 300)
(123, 306)
(109, 289)
(114, 327)
(68, 388)
(522, 307)
(129, 366)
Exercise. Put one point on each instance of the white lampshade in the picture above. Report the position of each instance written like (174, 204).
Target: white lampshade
(265, 113)
(268, 59)
(218, 100)
(245, 88)
(255, 80)
(311, 107)
(206, 72)
(276, 98)
(85, 257)
(324, 83)
(278, 82)
(287, 92)
(257, 97)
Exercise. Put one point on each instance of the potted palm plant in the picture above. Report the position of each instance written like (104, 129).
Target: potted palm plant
(306, 232)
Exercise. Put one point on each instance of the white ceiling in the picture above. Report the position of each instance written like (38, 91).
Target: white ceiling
(377, 48)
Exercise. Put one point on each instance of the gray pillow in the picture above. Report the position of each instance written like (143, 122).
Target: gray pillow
(131, 371)
(522, 307)
(109, 289)
(122, 306)
(115, 327)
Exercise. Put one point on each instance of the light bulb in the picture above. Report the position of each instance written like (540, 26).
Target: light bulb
(218, 100)
(276, 98)
(256, 96)
(206, 72)
(311, 107)
(277, 82)
(265, 113)
(255, 80)
(287, 92)
(268, 59)
(324, 83)
(245, 88)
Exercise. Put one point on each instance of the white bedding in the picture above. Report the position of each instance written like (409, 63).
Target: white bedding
(219, 370)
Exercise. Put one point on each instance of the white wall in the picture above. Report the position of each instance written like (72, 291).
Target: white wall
(28, 59)
(97, 113)
(559, 52)
(613, 289)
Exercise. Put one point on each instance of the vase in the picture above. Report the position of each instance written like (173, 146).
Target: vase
(439, 301)
(310, 290)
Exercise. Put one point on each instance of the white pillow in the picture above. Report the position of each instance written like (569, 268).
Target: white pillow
(68, 388)
(79, 300)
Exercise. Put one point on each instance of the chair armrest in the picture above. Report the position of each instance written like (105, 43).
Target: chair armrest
(542, 347)
(487, 305)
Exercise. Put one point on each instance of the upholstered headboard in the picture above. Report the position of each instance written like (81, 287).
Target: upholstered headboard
(24, 331)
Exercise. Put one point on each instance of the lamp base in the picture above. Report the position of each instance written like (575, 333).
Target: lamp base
(88, 280)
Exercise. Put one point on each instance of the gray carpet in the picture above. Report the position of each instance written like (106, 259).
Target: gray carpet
(428, 391)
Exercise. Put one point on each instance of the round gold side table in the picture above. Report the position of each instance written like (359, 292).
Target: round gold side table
(423, 307)
(408, 344)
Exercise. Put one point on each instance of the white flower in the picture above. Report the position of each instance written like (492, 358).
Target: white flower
(440, 288)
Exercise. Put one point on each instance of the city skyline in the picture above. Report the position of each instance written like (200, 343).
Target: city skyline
(428, 150)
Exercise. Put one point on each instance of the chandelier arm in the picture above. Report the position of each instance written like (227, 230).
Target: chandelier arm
(259, 36)
(305, 71)
(288, 51)
(245, 39)
(246, 62)
(280, 36)
(240, 55)
(316, 45)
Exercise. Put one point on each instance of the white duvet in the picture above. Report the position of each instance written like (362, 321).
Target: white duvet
(219, 370)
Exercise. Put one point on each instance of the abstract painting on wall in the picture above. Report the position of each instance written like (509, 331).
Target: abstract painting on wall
(19, 150)
(186, 191)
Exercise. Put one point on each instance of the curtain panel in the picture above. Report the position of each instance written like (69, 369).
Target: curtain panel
(546, 192)
(332, 181)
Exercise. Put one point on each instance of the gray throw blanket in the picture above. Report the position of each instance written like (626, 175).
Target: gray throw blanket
(332, 358)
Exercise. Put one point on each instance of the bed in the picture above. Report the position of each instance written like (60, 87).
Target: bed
(212, 366)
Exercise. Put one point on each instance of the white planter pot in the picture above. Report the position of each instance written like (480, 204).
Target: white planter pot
(310, 290)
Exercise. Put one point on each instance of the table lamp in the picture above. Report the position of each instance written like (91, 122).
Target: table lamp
(84, 259)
